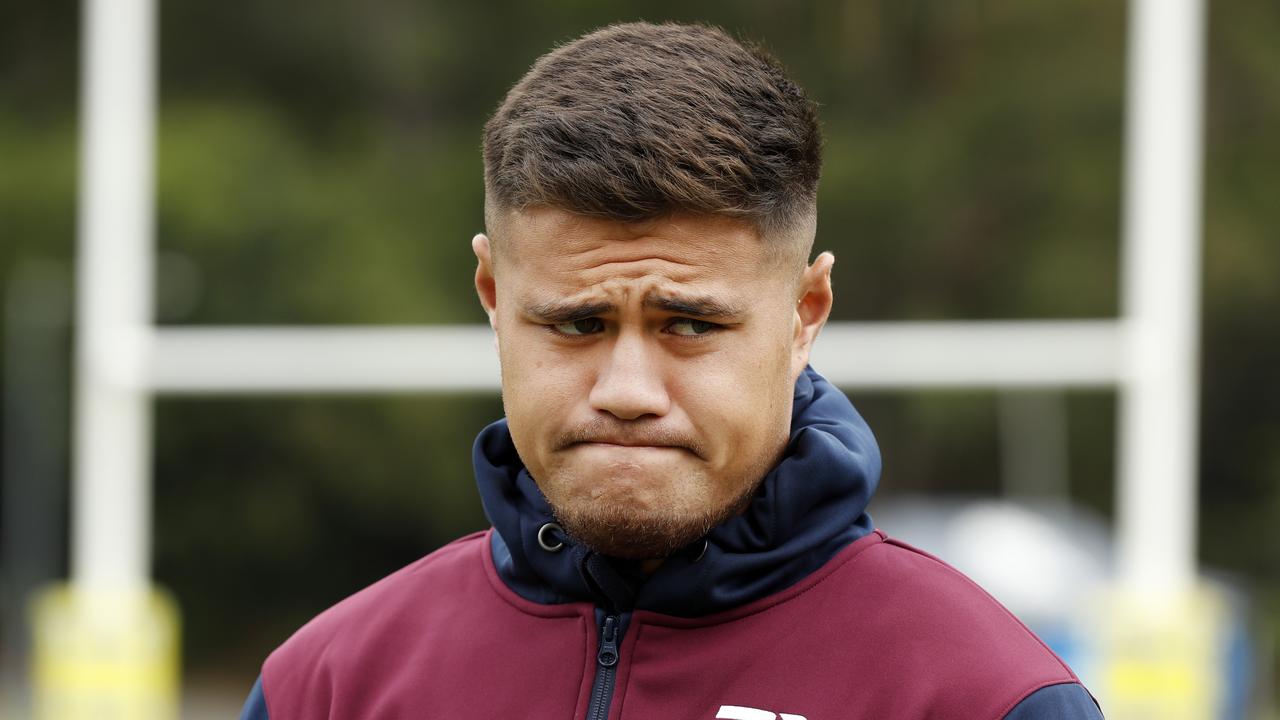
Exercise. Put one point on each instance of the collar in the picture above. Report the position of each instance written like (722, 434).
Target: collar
(808, 507)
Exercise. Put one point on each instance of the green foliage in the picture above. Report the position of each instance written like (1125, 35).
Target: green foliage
(37, 189)
(371, 228)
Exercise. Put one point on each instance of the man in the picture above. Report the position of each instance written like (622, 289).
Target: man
(678, 500)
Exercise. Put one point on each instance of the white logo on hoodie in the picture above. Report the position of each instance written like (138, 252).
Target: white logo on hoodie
(737, 712)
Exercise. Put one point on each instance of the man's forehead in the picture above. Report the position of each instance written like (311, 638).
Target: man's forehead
(542, 303)
(546, 230)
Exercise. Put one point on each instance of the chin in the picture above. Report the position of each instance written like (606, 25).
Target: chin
(654, 486)
(638, 515)
(642, 492)
(622, 532)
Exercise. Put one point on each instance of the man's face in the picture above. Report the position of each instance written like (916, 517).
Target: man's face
(647, 369)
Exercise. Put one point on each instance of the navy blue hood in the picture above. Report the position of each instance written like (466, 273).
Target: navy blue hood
(809, 506)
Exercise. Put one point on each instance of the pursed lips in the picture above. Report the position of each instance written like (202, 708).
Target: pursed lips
(626, 445)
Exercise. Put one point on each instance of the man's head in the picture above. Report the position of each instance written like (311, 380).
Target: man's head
(650, 202)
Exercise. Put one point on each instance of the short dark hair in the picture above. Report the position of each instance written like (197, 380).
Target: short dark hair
(635, 121)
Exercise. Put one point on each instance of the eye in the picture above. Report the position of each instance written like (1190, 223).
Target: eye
(587, 326)
(688, 327)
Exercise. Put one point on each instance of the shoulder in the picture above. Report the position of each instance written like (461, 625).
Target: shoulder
(935, 624)
(373, 621)
(905, 581)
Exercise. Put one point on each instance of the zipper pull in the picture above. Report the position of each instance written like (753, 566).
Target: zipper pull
(608, 655)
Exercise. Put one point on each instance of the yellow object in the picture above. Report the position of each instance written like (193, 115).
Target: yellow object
(1164, 659)
(105, 654)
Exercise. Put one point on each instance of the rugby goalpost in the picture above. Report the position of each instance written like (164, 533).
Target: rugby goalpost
(1148, 354)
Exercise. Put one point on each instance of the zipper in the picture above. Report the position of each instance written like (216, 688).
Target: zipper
(606, 669)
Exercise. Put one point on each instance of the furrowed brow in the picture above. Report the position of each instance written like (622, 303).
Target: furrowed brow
(558, 312)
(698, 307)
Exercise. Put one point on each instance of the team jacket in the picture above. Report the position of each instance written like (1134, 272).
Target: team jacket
(795, 610)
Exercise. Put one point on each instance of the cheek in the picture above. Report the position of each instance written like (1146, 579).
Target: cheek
(539, 388)
(740, 401)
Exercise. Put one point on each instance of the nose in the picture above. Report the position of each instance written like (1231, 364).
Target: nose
(630, 384)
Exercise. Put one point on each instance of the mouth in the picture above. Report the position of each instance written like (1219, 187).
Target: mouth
(629, 446)
(630, 439)
(625, 444)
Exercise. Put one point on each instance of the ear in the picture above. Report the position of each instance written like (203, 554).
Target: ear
(813, 306)
(486, 286)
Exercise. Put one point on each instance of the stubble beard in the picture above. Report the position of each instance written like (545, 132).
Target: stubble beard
(615, 527)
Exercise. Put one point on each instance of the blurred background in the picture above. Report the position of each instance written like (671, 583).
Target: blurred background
(318, 163)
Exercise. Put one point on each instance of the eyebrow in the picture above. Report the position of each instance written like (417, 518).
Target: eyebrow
(692, 306)
(557, 312)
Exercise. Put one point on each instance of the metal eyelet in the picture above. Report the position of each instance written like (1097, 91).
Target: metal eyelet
(544, 540)
(701, 552)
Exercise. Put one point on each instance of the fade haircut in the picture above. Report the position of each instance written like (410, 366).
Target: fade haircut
(635, 121)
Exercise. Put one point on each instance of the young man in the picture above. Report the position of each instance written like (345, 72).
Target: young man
(678, 500)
